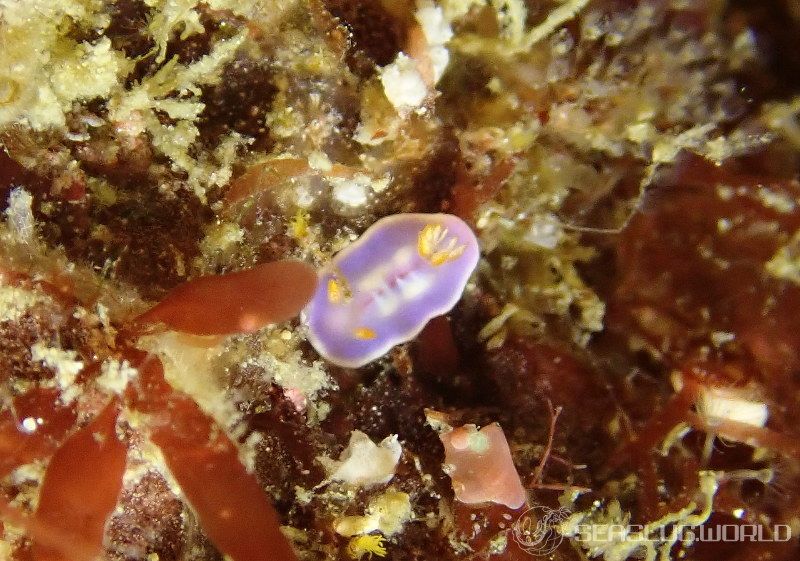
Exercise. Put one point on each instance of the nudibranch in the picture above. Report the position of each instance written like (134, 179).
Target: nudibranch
(381, 291)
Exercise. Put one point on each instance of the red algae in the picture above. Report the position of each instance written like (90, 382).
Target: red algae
(640, 446)
(543, 130)
(436, 349)
(263, 177)
(232, 507)
(18, 446)
(691, 268)
(468, 196)
(528, 372)
(685, 262)
(81, 487)
(239, 302)
(73, 547)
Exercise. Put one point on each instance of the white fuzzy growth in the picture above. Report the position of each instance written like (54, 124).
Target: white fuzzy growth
(434, 25)
(115, 375)
(189, 368)
(364, 463)
(15, 301)
(437, 32)
(19, 215)
(402, 81)
(545, 231)
(64, 365)
(722, 405)
(293, 374)
(91, 72)
(351, 192)
(403, 84)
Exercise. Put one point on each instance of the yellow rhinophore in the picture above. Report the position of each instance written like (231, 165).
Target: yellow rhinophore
(432, 247)
(366, 544)
(338, 290)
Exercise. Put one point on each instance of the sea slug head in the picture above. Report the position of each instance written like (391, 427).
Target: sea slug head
(382, 290)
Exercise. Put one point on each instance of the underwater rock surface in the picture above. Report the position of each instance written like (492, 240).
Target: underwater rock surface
(625, 177)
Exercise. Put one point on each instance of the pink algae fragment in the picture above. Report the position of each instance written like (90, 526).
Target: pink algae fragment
(480, 466)
(297, 398)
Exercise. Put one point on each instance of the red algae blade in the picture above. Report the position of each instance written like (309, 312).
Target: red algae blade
(81, 488)
(232, 507)
(69, 546)
(240, 302)
(19, 446)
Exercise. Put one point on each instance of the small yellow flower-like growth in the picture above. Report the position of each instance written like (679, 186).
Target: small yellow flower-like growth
(366, 545)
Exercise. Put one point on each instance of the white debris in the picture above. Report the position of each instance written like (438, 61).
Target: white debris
(379, 185)
(437, 32)
(545, 231)
(15, 301)
(301, 381)
(434, 25)
(351, 191)
(403, 84)
(19, 215)
(364, 463)
(29, 425)
(115, 375)
(319, 161)
(221, 237)
(720, 404)
(189, 366)
(304, 198)
(64, 365)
